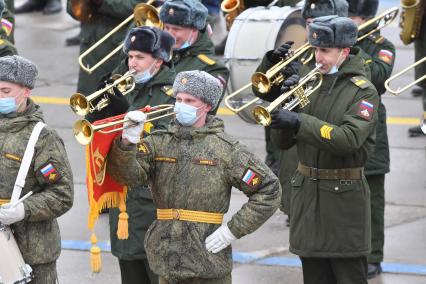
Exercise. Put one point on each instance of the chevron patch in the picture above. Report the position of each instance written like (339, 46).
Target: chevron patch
(326, 131)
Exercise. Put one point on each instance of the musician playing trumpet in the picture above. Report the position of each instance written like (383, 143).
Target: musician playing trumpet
(335, 133)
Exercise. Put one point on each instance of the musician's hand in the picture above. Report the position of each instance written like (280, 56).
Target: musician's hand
(10, 215)
(291, 81)
(283, 118)
(290, 69)
(280, 52)
(134, 126)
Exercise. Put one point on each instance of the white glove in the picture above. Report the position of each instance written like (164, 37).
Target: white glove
(220, 239)
(134, 127)
(10, 215)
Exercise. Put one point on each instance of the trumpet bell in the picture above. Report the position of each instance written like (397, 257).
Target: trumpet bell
(83, 131)
(230, 5)
(79, 104)
(262, 115)
(261, 82)
(147, 15)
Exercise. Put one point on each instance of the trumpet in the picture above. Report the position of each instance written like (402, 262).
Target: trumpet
(82, 105)
(144, 14)
(84, 130)
(401, 90)
(264, 81)
(296, 96)
(232, 8)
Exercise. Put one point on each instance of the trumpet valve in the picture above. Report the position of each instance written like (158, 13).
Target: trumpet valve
(103, 103)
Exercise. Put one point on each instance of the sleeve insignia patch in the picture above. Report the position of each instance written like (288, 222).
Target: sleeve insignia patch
(7, 26)
(325, 131)
(386, 56)
(205, 162)
(204, 58)
(143, 148)
(165, 159)
(168, 90)
(365, 110)
(50, 173)
(252, 178)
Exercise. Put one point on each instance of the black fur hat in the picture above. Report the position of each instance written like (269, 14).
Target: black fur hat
(363, 8)
(319, 8)
(151, 40)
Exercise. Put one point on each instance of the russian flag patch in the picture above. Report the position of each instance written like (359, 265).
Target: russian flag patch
(386, 56)
(251, 178)
(49, 173)
(365, 110)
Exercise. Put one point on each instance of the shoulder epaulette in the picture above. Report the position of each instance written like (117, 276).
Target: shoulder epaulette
(204, 58)
(168, 90)
(360, 81)
(228, 139)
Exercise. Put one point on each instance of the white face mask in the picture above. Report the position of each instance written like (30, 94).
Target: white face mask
(187, 43)
(186, 114)
(334, 69)
(8, 105)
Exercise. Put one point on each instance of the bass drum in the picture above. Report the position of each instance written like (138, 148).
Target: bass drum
(253, 33)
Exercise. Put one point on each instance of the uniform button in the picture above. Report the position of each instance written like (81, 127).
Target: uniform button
(336, 188)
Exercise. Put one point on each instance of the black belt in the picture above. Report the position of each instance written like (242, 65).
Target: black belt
(334, 174)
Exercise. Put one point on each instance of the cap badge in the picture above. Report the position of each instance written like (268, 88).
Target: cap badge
(184, 80)
(314, 35)
(133, 38)
(171, 11)
(312, 6)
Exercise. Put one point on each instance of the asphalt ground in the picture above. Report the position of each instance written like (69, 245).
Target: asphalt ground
(263, 256)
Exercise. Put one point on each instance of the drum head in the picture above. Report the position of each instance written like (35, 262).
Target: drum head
(253, 33)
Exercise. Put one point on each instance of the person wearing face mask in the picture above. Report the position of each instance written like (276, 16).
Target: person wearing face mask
(186, 21)
(148, 53)
(335, 134)
(49, 176)
(285, 161)
(192, 167)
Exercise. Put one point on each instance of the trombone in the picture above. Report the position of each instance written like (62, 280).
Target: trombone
(82, 105)
(296, 96)
(144, 14)
(401, 90)
(84, 131)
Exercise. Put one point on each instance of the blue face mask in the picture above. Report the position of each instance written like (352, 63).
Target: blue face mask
(8, 105)
(187, 43)
(185, 114)
(334, 69)
(144, 77)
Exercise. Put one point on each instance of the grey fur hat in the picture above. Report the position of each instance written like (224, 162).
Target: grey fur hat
(363, 8)
(319, 8)
(18, 70)
(151, 40)
(2, 6)
(200, 84)
(332, 31)
(187, 13)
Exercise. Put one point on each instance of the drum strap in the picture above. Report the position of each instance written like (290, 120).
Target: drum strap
(26, 162)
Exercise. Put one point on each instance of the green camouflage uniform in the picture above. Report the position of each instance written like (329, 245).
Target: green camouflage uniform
(9, 21)
(140, 207)
(379, 54)
(330, 218)
(195, 169)
(199, 57)
(38, 234)
(6, 40)
(108, 15)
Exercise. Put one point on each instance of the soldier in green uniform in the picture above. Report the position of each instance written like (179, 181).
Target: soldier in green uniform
(105, 15)
(33, 221)
(420, 70)
(148, 51)
(192, 167)
(6, 35)
(185, 20)
(379, 55)
(286, 160)
(335, 134)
